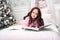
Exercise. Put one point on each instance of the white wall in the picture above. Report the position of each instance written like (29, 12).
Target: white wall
(57, 10)
(20, 8)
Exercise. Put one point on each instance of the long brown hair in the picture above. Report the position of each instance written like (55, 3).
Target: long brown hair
(38, 18)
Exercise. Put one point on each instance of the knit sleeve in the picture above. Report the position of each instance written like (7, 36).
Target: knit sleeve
(25, 21)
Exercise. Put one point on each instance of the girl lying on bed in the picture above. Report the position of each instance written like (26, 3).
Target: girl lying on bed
(33, 19)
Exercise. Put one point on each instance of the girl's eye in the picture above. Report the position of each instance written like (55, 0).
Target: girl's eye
(33, 12)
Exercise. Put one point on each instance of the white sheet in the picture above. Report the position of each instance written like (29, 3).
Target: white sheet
(19, 34)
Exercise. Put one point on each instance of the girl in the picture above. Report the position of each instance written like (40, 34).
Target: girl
(33, 18)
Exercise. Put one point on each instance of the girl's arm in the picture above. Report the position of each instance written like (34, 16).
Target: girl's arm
(25, 21)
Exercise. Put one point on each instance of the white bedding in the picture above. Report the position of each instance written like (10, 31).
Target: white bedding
(16, 33)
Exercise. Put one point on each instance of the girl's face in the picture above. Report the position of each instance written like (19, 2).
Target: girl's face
(34, 13)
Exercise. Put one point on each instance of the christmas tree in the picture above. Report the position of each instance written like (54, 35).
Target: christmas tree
(6, 17)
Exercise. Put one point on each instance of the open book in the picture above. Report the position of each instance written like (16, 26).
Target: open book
(35, 29)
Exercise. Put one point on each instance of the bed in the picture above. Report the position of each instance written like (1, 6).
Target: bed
(16, 33)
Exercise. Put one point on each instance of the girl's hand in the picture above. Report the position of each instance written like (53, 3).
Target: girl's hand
(41, 27)
(36, 27)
